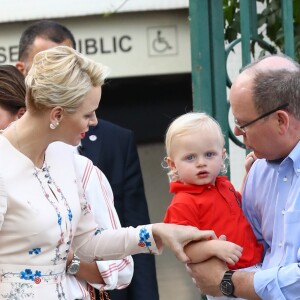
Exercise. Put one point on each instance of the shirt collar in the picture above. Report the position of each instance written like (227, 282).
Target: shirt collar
(195, 189)
(293, 157)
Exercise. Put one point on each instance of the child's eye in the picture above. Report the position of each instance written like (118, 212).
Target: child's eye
(210, 154)
(190, 157)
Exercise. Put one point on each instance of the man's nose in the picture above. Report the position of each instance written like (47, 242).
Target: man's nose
(237, 131)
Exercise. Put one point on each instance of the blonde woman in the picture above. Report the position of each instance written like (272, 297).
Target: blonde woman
(42, 205)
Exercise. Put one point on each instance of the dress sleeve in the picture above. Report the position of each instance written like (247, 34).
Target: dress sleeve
(118, 273)
(92, 243)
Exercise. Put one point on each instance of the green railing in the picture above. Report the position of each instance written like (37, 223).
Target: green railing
(208, 59)
(209, 55)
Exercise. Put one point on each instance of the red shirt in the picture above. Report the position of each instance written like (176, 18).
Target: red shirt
(215, 207)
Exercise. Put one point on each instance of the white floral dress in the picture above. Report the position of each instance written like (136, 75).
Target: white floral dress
(43, 211)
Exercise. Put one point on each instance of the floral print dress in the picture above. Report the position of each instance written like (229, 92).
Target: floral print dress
(43, 211)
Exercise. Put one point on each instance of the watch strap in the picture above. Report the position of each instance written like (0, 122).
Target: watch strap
(228, 282)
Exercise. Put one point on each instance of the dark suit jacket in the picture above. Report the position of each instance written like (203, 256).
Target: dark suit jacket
(113, 149)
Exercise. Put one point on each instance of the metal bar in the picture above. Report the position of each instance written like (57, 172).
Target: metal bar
(245, 9)
(253, 19)
(200, 55)
(288, 27)
(220, 104)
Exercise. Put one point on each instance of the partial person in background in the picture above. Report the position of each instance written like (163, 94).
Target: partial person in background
(12, 95)
(196, 157)
(112, 149)
(104, 275)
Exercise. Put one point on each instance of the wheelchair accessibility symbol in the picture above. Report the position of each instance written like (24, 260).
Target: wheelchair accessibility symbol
(160, 44)
(162, 41)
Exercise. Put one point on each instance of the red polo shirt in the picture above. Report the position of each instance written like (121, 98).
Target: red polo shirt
(215, 207)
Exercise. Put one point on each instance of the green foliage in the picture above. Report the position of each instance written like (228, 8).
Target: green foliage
(269, 25)
(231, 19)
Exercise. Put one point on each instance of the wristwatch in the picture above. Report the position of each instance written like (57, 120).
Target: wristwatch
(226, 285)
(73, 267)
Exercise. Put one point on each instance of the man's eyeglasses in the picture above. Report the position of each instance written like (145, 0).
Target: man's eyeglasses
(242, 128)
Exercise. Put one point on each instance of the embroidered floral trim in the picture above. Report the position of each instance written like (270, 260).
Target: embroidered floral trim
(85, 207)
(28, 275)
(35, 251)
(19, 291)
(144, 236)
(35, 276)
(64, 215)
(98, 231)
(22, 290)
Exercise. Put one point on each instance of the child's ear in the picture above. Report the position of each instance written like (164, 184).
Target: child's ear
(224, 153)
(171, 163)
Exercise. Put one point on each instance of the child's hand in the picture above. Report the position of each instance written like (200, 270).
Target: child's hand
(250, 159)
(227, 251)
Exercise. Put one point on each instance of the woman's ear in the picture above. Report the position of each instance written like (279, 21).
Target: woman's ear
(56, 114)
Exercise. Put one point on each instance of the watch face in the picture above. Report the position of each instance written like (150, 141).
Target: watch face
(226, 288)
(73, 268)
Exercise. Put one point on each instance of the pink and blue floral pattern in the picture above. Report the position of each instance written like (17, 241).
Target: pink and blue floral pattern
(144, 236)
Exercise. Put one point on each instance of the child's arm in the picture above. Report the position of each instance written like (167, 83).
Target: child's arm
(250, 159)
(203, 250)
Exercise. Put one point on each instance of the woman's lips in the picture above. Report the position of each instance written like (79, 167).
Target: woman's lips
(83, 135)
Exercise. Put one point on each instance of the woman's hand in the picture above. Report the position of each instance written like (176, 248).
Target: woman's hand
(175, 237)
(70, 257)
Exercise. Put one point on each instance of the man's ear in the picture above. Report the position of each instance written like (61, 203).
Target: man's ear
(283, 121)
(21, 67)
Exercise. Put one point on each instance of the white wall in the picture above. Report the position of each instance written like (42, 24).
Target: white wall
(20, 10)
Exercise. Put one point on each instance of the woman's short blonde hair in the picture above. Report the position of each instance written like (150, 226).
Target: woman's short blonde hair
(61, 76)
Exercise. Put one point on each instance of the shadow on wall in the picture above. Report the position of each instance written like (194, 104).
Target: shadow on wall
(146, 105)
(173, 279)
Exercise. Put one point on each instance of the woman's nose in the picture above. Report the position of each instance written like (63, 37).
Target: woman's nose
(93, 121)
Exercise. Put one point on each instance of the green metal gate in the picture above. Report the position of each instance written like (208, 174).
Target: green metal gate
(209, 54)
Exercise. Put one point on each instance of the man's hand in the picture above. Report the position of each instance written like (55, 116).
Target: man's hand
(208, 275)
(250, 159)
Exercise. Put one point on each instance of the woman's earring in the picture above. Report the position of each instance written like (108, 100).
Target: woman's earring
(53, 126)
